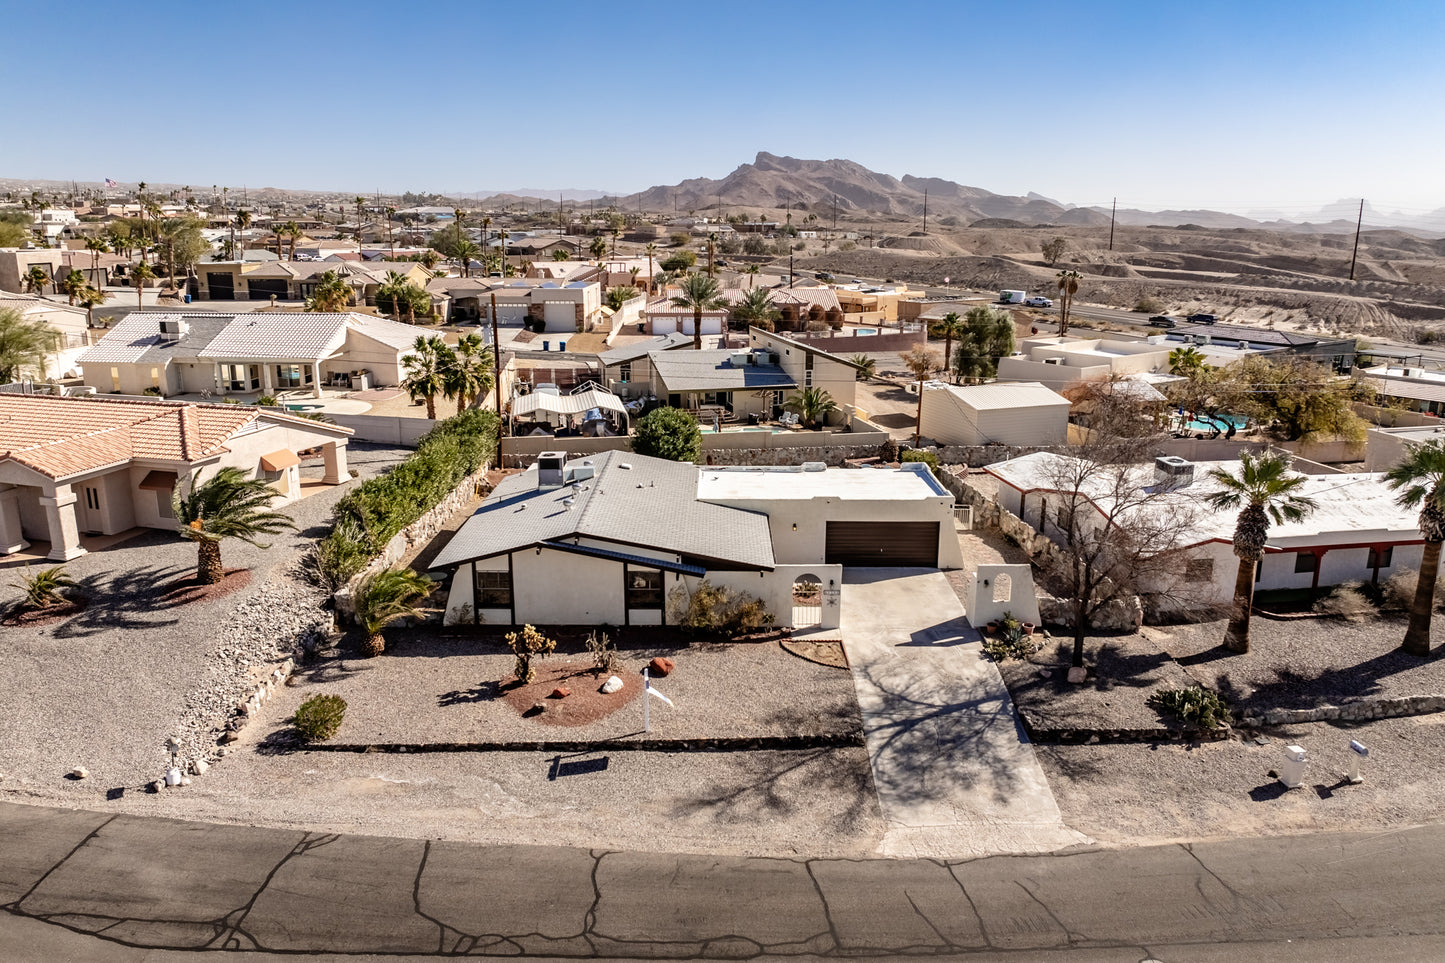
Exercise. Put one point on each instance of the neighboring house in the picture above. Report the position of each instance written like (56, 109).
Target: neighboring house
(1025, 413)
(108, 268)
(297, 280)
(564, 307)
(1387, 447)
(1415, 389)
(801, 308)
(1335, 353)
(262, 352)
(1059, 361)
(627, 370)
(1357, 533)
(67, 321)
(78, 466)
(660, 316)
(15, 263)
(608, 539)
(540, 247)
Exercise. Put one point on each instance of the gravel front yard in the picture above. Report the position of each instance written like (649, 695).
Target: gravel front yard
(435, 687)
(1305, 662)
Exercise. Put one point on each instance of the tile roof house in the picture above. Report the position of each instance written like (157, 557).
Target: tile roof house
(564, 307)
(262, 351)
(70, 323)
(619, 538)
(76, 466)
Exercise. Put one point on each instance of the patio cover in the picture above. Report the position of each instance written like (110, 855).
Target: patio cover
(567, 404)
(158, 480)
(277, 460)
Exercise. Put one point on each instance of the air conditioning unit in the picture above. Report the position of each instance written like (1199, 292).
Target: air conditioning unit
(1053, 361)
(1171, 471)
(740, 359)
(173, 329)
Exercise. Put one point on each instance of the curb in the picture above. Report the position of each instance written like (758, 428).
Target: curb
(725, 744)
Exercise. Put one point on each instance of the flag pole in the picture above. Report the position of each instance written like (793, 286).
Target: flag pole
(646, 718)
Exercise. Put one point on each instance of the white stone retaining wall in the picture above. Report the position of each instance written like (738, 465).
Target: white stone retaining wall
(1385, 708)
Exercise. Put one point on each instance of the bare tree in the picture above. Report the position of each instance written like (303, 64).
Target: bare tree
(922, 362)
(1053, 250)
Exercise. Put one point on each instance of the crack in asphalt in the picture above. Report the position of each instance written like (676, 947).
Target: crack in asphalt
(15, 905)
(982, 926)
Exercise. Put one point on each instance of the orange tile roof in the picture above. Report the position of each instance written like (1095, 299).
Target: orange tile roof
(58, 437)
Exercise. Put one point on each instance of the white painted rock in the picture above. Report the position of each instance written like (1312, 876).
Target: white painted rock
(185, 780)
(200, 766)
(613, 684)
(173, 777)
(79, 772)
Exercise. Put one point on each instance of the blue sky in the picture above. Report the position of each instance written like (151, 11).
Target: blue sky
(1231, 106)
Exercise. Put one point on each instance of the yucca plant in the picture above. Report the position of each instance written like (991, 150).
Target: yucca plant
(383, 599)
(44, 588)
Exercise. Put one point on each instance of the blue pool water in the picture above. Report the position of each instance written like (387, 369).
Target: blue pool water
(864, 332)
(1219, 421)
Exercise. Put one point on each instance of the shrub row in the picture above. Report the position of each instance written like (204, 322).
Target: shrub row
(377, 509)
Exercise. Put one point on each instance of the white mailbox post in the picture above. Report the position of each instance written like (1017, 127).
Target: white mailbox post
(1292, 772)
(1357, 752)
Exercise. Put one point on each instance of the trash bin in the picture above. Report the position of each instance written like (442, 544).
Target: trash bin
(1292, 770)
(546, 346)
(188, 299)
(561, 346)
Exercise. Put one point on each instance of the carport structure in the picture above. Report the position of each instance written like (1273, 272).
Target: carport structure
(569, 405)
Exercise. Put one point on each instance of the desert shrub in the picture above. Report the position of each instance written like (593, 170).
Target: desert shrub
(153, 391)
(319, 717)
(1010, 643)
(604, 654)
(927, 457)
(1347, 601)
(1195, 704)
(1397, 593)
(888, 451)
(525, 645)
(374, 511)
(267, 401)
(43, 588)
(669, 433)
(717, 610)
(1147, 305)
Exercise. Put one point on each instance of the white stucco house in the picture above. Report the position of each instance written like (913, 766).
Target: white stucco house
(262, 352)
(607, 539)
(90, 466)
(1357, 532)
(1024, 413)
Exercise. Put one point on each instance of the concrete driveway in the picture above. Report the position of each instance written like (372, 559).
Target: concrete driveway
(955, 774)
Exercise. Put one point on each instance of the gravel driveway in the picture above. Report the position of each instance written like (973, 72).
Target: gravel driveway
(105, 688)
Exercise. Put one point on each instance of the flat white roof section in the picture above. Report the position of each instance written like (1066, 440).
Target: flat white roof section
(782, 484)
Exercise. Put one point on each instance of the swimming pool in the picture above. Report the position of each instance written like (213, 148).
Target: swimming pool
(864, 332)
(1216, 423)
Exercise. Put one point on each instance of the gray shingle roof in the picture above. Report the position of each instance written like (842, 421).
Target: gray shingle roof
(641, 349)
(713, 371)
(651, 505)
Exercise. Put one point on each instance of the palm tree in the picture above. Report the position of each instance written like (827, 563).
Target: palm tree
(35, 279)
(226, 505)
(359, 201)
(243, 221)
(331, 295)
(74, 283)
(426, 371)
(24, 342)
(466, 251)
(390, 240)
(756, 309)
(1420, 479)
(1264, 491)
(950, 326)
(752, 271)
(811, 405)
(469, 371)
(617, 297)
(867, 366)
(711, 254)
(139, 275)
(385, 598)
(701, 293)
(1068, 285)
(96, 246)
(90, 299)
(922, 362)
(293, 231)
(1186, 361)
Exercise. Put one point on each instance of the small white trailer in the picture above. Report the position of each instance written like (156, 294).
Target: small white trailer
(1011, 297)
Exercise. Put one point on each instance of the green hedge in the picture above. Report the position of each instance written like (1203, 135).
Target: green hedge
(377, 509)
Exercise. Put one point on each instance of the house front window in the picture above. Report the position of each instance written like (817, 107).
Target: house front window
(644, 589)
(114, 378)
(1199, 570)
(1304, 562)
(1381, 558)
(240, 377)
(494, 590)
(624, 372)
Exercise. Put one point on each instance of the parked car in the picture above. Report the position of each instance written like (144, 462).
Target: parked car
(1039, 303)
(1160, 321)
(1203, 318)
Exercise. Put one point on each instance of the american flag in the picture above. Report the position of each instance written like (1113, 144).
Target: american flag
(111, 183)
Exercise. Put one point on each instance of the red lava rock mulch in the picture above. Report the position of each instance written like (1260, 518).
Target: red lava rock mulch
(184, 591)
(587, 703)
(45, 616)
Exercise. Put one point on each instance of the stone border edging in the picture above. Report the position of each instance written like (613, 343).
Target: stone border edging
(1383, 708)
(1080, 736)
(706, 744)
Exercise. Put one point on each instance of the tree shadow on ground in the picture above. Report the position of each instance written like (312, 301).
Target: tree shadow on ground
(1260, 688)
(132, 599)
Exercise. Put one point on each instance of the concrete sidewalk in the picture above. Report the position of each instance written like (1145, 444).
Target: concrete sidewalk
(169, 885)
(955, 774)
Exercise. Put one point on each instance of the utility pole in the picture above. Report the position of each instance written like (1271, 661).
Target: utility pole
(1112, 211)
(835, 213)
(497, 380)
(1356, 252)
(925, 210)
(560, 222)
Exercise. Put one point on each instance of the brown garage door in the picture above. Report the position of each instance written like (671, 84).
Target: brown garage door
(913, 544)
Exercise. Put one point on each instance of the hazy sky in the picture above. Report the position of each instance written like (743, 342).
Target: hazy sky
(1224, 105)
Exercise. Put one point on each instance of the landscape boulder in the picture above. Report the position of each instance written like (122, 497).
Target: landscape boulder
(613, 684)
(661, 667)
(561, 692)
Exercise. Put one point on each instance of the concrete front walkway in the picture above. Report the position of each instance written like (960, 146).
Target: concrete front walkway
(955, 774)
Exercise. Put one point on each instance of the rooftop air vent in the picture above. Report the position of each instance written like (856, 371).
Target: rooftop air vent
(549, 469)
(174, 329)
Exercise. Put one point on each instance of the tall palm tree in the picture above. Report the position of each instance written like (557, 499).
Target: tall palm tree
(426, 370)
(74, 283)
(950, 326)
(96, 245)
(486, 236)
(701, 293)
(1264, 491)
(398, 289)
(1068, 285)
(752, 271)
(243, 221)
(811, 405)
(359, 201)
(293, 231)
(90, 299)
(331, 295)
(139, 275)
(226, 505)
(711, 254)
(384, 598)
(24, 342)
(469, 372)
(1420, 480)
(466, 251)
(390, 239)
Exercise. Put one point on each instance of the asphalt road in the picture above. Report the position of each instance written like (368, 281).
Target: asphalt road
(167, 885)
